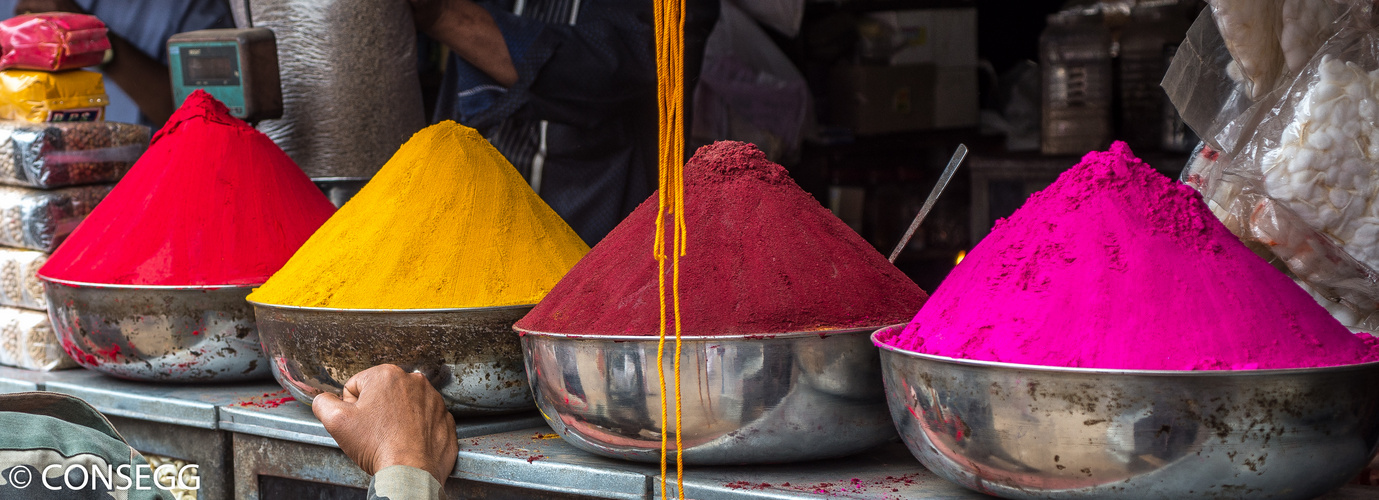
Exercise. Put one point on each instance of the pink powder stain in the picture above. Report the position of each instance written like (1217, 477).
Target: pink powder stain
(109, 353)
(78, 355)
(266, 401)
(1115, 266)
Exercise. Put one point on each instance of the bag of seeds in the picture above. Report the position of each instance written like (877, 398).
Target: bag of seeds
(27, 341)
(19, 284)
(40, 220)
(1302, 183)
(50, 155)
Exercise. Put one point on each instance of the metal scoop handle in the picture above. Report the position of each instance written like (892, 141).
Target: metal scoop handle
(953, 163)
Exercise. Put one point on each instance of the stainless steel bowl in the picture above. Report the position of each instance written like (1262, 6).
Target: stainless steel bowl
(470, 355)
(1022, 431)
(158, 333)
(745, 399)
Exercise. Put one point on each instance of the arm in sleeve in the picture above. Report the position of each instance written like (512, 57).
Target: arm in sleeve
(400, 482)
(577, 75)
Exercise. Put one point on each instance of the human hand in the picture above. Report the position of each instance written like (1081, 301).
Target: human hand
(390, 417)
(32, 6)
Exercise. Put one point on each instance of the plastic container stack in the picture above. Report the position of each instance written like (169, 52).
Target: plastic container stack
(58, 159)
(1075, 55)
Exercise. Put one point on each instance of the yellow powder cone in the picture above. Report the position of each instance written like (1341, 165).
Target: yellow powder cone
(446, 223)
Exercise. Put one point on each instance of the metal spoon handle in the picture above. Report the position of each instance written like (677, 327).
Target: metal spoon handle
(953, 163)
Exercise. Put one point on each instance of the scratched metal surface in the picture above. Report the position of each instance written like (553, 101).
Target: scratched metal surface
(536, 458)
(888, 472)
(189, 405)
(20, 380)
(293, 421)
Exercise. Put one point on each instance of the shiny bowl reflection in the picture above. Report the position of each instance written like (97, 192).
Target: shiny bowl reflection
(744, 399)
(1022, 431)
(158, 333)
(470, 355)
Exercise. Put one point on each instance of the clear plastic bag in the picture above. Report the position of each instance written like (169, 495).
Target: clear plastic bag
(1302, 184)
(52, 41)
(19, 284)
(1207, 80)
(749, 89)
(1199, 86)
(40, 220)
(27, 341)
(52, 155)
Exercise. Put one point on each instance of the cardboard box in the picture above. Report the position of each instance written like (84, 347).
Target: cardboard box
(946, 37)
(882, 99)
(955, 97)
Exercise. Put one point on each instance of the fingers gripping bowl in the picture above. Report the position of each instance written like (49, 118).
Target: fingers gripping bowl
(470, 355)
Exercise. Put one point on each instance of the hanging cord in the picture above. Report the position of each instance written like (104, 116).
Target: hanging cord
(670, 99)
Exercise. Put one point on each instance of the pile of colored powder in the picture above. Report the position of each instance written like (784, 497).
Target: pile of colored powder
(446, 223)
(1115, 266)
(212, 202)
(762, 257)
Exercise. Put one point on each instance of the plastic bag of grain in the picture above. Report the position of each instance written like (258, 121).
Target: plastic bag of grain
(1303, 181)
(52, 41)
(51, 155)
(39, 220)
(19, 284)
(27, 341)
(1239, 52)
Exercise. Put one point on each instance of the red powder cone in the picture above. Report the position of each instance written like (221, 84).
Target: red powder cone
(763, 257)
(212, 202)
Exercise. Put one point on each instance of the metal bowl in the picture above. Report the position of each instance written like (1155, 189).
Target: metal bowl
(158, 333)
(470, 355)
(745, 399)
(1022, 431)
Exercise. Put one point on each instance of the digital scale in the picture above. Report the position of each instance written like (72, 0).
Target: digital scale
(239, 67)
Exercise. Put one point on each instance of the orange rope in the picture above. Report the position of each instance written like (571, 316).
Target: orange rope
(670, 68)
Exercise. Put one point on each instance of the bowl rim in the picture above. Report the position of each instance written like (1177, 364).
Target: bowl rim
(1109, 371)
(84, 284)
(390, 311)
(700, 338)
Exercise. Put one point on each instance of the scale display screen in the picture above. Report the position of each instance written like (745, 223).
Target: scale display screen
(208, 66)
(239, 67)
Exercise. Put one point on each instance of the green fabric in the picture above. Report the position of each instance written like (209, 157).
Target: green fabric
(43, 429)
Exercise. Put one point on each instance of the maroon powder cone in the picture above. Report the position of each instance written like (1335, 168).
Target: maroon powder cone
(763, 257)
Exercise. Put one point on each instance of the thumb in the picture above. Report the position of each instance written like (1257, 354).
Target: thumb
(330, 410)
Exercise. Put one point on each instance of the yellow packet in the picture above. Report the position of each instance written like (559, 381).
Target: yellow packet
(63, 96)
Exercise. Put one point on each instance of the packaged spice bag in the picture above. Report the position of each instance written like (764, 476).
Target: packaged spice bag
(19, 284)
(40, 220)
(52, 41)
(27, 341)
(65, 96)
(52, 155)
